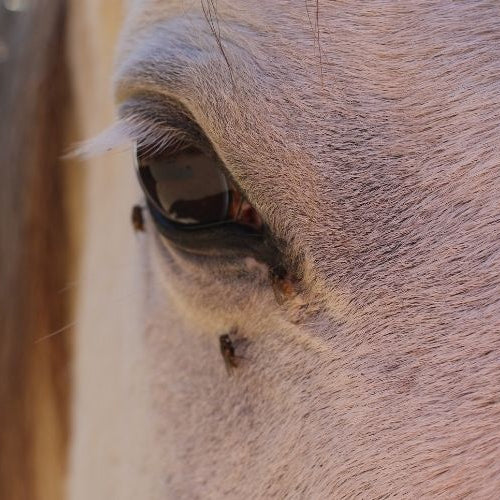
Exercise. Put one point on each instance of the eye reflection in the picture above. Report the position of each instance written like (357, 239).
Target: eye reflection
(190, 189)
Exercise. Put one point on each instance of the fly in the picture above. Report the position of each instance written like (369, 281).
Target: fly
(137, 218)
(283, 284)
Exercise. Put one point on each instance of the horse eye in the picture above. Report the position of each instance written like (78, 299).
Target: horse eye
(190, 190)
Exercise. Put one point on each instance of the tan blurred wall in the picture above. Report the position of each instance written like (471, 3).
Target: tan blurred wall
(109, 424)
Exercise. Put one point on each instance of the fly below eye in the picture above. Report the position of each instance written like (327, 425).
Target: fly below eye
(190, 190)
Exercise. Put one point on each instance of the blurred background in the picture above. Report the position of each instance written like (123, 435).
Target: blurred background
(34, 249)
(35, 253)
(55, 72)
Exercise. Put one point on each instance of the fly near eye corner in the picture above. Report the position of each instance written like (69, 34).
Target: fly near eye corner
(283, 284)
(137, 218)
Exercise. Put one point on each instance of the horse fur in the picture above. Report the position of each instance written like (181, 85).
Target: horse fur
(368, 138)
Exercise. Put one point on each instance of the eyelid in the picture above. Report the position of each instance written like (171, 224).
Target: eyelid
(162, 125)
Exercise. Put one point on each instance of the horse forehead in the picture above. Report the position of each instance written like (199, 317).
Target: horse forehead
(329, 69)
(335, 31)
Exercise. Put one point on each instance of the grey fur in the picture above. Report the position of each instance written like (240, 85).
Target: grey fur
(380, 170)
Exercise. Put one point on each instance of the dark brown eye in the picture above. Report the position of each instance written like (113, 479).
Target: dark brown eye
(197, 206)
(189, 189)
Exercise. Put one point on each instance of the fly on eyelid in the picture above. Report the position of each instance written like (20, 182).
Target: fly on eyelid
(137, 218)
